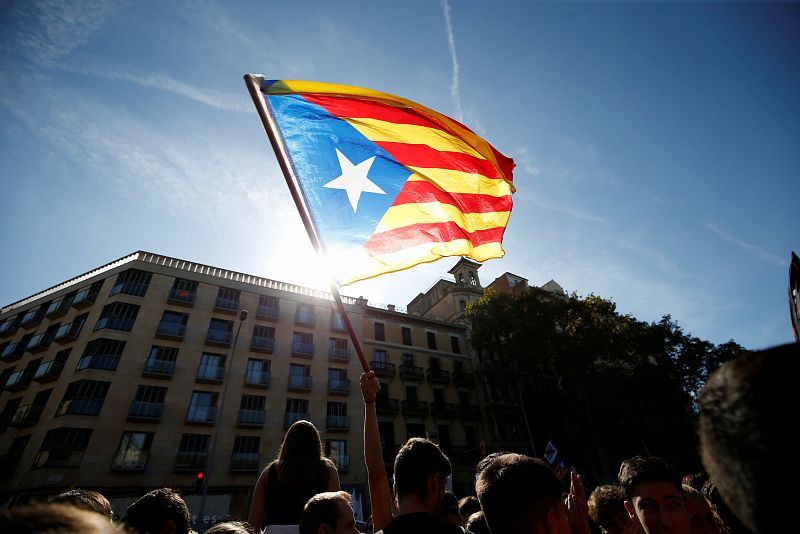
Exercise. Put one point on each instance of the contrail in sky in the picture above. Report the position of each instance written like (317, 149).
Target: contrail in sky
(455, 93)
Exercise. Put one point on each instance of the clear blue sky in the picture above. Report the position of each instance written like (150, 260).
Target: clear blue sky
(657, 144)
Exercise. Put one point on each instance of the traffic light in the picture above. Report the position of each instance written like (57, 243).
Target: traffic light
(198, 481)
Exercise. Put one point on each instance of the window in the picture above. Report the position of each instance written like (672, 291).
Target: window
(470, 437)
(8, 413)
(117, 316)
(63, 447)
(84, 397)
(33, 316)
(192, 452)
(227, 299)
(303, 344)
(212, 367)
(263, 338)
(299, 376)
(268, 307)
(202, 408)
(411, 394)
(101, 354)
(380, 334)
(438, 397)
(183, 291)
(305, 314)
(296, 409)
(245, 455)
(70, 331)
(132, 282)
(406, 335)
(381, 359)
(454, 345)
(14, 350)
(338, 382)
(257, 373)
(432, 340)
(42, 340)
(337, 418)
(9, 325)
(415, 430)
(338, 350)
(29, 414)
(386, 430)
(252, 410)
(133, 450)
(148, 404)
(14, 455)
(86, 296)
(336, 450)
(444, 438)
(408, 359)
(161, 362)
(8, 371)
(220, 332)
(462, 305)
(59, 307)
(172, 324)
(337, 322)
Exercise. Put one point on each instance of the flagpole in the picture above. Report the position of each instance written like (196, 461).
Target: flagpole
(268, 121)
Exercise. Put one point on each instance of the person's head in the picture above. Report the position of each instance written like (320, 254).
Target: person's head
(743, 416)
(654, 495)
(302, 442)
(420, 471)
(476, 523)
(328, 513)
(159, 511)
(520, 495)
(448, 511)
(85, 499)
(701, 518)
(47, 518)
(695, 480)
(607, 509)
(230, 527)
(468, 505)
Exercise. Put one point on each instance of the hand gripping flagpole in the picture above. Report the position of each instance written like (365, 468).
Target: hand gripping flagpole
(253, 85)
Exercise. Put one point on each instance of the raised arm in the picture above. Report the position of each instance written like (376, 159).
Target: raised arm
(258, 505)
(379, 493)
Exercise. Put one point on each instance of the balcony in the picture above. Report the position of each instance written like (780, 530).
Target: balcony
(245, 462)
(27, 415)
(302, 350)
(186, 461)
(225, 305)
(181, 297)
(59, 458)
(415, 408)
(57, 308)
(251, 418)
(299, 383)
(382, 369)
(201, 415)
(411, 373)
(8, 327)
(443, 410)
(154, 368)
(339, 387)
(12, 352)
(438, 376)
(338, 325)
(304, 318)
(17, 381)
(84, 298)
(337, 423)
(210, 374)
(262, 344)
(387, 406)
(268, 313)
(342, 462)
(68, 332)
(137, 289)
(115, 323)
(468, 412)
(339, 354)
(80, 406)
(291, 418)
(145, 411)
(219, 338)
(39, 343)
(108, 362)
(32, 318)
(48, 371)
(136, 463)
(170, 330)
(257, 378)
(463, 379)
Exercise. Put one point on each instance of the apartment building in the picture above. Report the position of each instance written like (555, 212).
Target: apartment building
(144, 373)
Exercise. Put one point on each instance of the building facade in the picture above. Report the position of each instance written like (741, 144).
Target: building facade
(143, 373)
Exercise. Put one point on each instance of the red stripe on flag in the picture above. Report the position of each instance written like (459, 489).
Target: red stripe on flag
(430, 158)
(417, 234)
(353, 108)
(414, 192)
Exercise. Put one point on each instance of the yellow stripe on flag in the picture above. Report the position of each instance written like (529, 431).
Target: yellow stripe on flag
(437, 212)
(377, 130)
(461, 182)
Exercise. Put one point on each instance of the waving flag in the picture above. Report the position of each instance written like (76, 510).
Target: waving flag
(386, 183)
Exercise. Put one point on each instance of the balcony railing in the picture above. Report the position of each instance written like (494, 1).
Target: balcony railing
(115, 323)
(57, 308)
(304, 350)
(181, 296)
(32, 318)
(84, 298)
(305, 318)
(136, 463)
(58, 458)
(438, 376)
(201, 415)
(220, 338)
(68, 332)
(12, 352)
(262, 344)
(245, 461)
(145, 411)
(251, 418)
(258, 378)
(186, 460)
(290, 418)
(17, 381)
(170, 330)
(383, 369)
(415, 408)
(137, 289)
(299, 383)
(108, 362)
(339, 423)
(48, 371)
(445, 410)
(156, 368)
(8, 328)
(463, 379)
(387, 406)
(270, 313)
(342, 462)
(212, 374)
(39, 342)
(27, 415)
(226, 305)
(411, 372)
(337, 386)
(339, 354)
(80, 406)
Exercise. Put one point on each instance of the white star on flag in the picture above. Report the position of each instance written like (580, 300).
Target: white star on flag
(354, 179)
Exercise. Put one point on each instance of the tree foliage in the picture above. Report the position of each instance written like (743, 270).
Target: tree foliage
(602, 386)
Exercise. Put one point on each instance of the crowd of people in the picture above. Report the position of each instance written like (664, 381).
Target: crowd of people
(741, 413)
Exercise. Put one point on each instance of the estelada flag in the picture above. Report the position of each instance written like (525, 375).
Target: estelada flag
(387, 183)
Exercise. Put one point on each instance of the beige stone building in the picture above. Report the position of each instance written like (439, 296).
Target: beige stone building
(141, 374)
